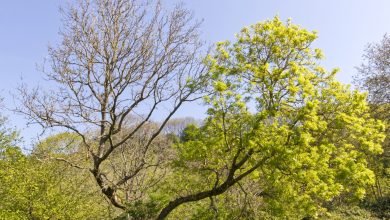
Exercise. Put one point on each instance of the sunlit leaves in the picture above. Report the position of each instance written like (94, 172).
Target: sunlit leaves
(272, 98)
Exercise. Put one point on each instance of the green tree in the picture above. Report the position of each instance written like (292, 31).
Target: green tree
(374, 78)
(279, 121)
(37, 187)
(10, 156)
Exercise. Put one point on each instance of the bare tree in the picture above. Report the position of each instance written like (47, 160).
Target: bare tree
(121, 63)
(374, 73)
(176, 126)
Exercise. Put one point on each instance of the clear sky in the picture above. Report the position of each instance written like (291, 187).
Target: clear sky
(344, 28)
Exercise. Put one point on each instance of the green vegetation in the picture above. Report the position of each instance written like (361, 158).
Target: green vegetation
(304, 144)
(283, 139)
(33, 187)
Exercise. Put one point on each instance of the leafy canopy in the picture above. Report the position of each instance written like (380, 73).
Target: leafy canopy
(37, 187)
(281, 121)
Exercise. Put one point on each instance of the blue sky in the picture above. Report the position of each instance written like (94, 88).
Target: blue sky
(344, 28)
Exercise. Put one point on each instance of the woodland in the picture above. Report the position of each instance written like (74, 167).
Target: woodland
(283, 138)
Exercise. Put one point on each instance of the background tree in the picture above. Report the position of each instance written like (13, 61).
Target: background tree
(279, 121)
(121, 64)
(35, 189)
(374, 73)
(374, 77)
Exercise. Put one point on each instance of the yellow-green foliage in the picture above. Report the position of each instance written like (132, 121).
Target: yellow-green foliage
(270, 96)
(37, 187)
